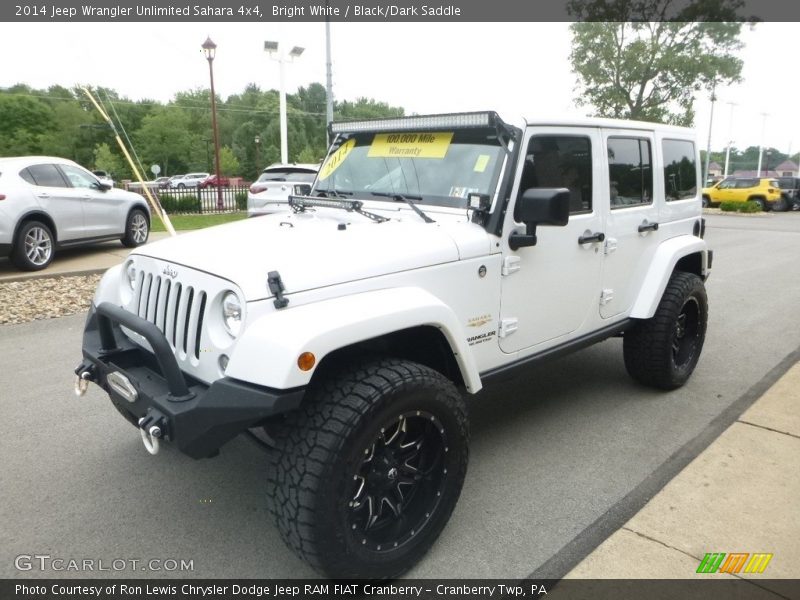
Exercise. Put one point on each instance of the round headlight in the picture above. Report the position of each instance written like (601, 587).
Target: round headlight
(130, 275)
(232, 313)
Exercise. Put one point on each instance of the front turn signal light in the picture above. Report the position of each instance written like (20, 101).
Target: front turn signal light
(306, 361)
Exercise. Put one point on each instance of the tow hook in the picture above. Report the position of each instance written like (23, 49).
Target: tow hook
(83, 375)
(152, 428)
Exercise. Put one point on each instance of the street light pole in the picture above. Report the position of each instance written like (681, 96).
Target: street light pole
(295, 52)
(730, 141)
(210, 49)
(710, 125)
(284, 127)
(761, 145)
(328, 75)
(257, 141)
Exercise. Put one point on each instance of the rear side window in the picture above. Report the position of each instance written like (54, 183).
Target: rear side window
(45, 175)
(746, 183)
(630, 172)
(680, 169)
(26, 175)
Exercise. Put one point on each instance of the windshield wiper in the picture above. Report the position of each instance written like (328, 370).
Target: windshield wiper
(301, 203)
(334, 193)
(408, 199)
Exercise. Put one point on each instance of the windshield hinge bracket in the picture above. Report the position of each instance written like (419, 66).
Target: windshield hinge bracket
(276, 288)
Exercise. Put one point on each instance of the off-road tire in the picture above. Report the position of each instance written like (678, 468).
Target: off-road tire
(663, 351)
(761, 203)
(137, 229)
(781, 205)
(323, 446)
(34, 246)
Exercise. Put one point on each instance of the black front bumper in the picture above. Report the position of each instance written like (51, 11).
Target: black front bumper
(195, 417)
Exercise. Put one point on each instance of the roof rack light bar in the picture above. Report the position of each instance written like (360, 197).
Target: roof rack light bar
(418, 123)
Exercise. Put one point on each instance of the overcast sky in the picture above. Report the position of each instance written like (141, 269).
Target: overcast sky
(518, 69)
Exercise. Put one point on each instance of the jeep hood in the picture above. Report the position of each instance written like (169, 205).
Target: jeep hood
(311, 251)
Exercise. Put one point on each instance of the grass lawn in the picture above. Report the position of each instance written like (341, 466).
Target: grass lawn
(186, 222)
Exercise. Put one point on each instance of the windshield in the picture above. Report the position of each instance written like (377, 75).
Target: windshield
(439, 168)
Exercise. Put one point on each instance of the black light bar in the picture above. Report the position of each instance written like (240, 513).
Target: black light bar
(302, 202)
(419, 123)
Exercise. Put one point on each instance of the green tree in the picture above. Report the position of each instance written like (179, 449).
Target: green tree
(309, 155)
(365, 108)
(106, 160)
(228, 163)
(24, 120)
(164, 138)
(646, 60)
(75, 131)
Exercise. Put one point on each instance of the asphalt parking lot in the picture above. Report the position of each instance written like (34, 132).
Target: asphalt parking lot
(553, 451)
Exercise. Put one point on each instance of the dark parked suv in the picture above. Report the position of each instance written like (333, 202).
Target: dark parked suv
(790, 193)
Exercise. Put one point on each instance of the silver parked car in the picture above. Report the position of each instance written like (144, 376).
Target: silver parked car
(49, 203)
(270, 193)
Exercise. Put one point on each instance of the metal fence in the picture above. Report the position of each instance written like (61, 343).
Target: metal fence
(195, 200)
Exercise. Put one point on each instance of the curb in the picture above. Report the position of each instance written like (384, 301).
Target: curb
(54, 275)
(588, 540)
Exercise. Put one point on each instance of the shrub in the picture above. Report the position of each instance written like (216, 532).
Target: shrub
(745, 207)
(749, 207)
(241, 200)
(185, 203)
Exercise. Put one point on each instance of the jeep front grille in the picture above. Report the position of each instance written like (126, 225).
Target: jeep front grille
(176, 309)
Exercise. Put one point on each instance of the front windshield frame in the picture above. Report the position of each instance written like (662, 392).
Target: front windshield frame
(473, 158)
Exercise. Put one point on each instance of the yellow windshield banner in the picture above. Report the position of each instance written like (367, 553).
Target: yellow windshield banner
(336, 159)
(411, 145)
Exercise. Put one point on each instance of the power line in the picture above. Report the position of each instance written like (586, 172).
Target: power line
(294, 112)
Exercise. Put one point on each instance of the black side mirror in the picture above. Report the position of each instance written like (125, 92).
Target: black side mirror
(103, 187)
(539, 206)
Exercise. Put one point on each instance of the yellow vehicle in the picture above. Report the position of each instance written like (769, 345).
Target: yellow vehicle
(764, 191)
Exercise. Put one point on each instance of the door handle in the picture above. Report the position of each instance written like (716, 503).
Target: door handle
(42, 195)
(648, 227)
(598, 236)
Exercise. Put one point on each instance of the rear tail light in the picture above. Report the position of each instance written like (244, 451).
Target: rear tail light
(2, 196)
(771, 190)
(256, 189)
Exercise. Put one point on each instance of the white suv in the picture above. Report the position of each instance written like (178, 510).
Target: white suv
(432, 255)
(48, 203)
(270, 192)
(192, 180)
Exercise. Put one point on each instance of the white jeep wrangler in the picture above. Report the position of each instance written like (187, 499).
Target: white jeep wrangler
(433, 253)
